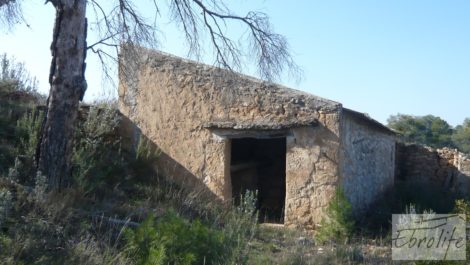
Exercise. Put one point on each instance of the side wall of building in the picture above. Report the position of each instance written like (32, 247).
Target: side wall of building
(367, 161)
(171, 99)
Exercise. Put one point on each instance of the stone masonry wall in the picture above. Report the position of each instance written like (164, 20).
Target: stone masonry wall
(311, 171)
(171, 100)
(448, 168)
(367, 161)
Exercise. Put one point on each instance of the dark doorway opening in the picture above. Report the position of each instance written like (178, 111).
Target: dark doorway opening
(260, 165)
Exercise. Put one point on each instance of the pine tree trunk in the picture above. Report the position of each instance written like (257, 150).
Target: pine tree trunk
(67, 88)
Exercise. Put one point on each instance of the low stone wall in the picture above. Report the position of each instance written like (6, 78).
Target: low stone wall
(447, 168)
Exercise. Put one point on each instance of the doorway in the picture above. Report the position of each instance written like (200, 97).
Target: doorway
(260, 165)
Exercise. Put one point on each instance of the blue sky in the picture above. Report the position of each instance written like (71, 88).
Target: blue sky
(379, 57)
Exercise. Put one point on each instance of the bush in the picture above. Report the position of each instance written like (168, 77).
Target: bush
(339, 222)
(28, 128)
(173, 240)
(15, 77)
(27, 132)
(18, 96)
(97, 158)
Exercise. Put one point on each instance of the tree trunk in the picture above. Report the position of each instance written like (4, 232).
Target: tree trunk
(68, 85)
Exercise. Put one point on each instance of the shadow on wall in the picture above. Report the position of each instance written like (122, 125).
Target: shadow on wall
(165, 167)
(446, 168)
(426, 178)
(421, 195)
(431, 178)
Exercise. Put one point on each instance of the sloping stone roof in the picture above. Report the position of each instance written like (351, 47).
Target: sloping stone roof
(367, 119)
(159, 58)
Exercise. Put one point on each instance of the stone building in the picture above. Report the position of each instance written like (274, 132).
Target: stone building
(231, 132)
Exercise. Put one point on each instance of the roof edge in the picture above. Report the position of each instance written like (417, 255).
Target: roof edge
(154, 53)
(365, 117)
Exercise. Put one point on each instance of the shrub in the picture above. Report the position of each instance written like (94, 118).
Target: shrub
(27, 130)
(97, 158)
(17, 96)
(173, 240)
(15, 77)
(223, 238)
(339, 222)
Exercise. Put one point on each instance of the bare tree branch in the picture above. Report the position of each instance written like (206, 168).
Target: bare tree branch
(121, 23)
(10, 13)
(270, 49)
(200, 20)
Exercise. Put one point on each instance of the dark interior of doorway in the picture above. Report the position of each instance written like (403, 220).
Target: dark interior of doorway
(260, 165)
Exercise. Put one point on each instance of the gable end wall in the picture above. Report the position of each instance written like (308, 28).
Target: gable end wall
(367, 161)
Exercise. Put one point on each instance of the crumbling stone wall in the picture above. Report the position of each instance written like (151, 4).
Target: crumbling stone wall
(446, 168)
(174, 102)
(367, 161)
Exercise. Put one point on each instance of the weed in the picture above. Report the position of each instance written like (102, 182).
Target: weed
(240, 228)
(145, 151)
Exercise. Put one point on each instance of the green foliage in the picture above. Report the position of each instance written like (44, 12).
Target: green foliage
(29, 128)
(428, 130)
(15, 77)
(6, 204)
(224, 238)
(338, 225)
(144, 244)
(171, 239)
(462, 206)
(17, 97)
(461, 136)
(51, 232)
(97, 158)
(432, 131)
(240, 228)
